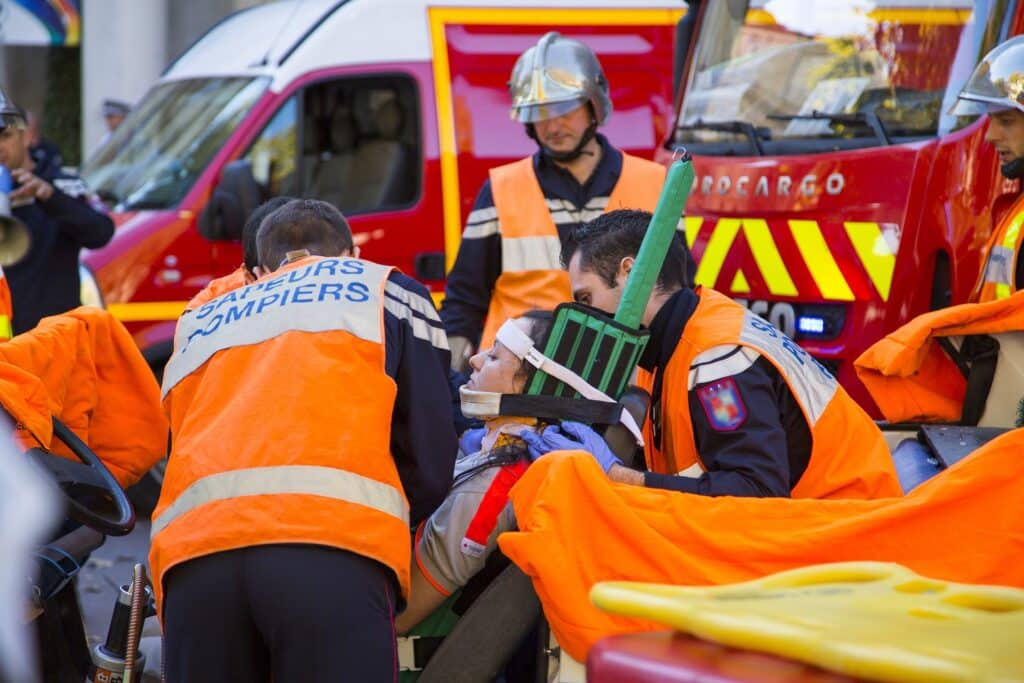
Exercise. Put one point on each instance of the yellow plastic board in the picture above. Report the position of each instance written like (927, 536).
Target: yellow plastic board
(872, 620)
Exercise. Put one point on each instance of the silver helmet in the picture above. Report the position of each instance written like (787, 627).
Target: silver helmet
(997, 83)
(10, 114)
(554, 77)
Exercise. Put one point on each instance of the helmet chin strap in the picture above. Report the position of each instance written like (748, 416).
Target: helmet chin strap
(1013, 169)
(565, 157)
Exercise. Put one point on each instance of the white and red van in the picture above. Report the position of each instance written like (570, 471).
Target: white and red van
(394, 110)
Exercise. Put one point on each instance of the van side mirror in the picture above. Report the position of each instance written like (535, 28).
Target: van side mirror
(233, 199)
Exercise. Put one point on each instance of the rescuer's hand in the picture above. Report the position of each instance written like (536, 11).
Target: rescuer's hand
(472, 440)
(32, 186)
(462, 349)
(570, 436)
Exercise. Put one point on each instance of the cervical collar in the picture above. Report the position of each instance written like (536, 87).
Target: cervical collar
(487, 404)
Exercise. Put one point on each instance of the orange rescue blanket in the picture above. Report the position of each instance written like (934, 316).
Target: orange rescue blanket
(577, 528)
(908, 374)
(84, 368)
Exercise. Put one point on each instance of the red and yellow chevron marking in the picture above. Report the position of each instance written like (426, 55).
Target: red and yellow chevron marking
(793, 258)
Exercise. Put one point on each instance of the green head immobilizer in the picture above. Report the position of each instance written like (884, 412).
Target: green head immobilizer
(605, 350)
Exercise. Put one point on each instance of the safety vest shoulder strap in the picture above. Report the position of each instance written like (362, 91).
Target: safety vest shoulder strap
(519, 201)
(311, 295)
(997, 279)
(639, 185)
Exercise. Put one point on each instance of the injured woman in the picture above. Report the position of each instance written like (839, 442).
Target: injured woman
(453, 544)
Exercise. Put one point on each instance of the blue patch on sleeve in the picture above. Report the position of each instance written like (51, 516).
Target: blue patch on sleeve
(723, 405)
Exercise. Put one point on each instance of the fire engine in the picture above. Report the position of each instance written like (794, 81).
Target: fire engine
(834, 192)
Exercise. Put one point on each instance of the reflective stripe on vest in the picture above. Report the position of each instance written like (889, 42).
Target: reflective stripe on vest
(997, 279)
(287, 479)
(330, 294)
(1000, 269)
(811, 384)
(520, 254)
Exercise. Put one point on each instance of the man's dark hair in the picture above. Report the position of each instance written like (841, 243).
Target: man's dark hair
(611, 237)
(252, 227)
(310, 224)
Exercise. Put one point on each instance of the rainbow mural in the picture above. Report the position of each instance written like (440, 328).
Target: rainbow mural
(40, 22)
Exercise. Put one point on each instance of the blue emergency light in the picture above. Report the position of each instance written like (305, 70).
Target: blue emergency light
(808, 324)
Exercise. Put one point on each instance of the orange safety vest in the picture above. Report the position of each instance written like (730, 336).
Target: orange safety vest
(835, 420)
(6, 309)
(576, 528)
(94, 378)
(531, 272)
(997, 279)
(222, 285)
(280, 413)
(911, 377)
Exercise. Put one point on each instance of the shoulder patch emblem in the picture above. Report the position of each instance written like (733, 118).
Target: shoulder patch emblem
(723, 405)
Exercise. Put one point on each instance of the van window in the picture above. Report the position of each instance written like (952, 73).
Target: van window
(156, 155)
(361, 143)
(272, 154)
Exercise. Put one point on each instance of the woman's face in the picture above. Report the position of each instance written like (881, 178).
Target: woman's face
(497, 369)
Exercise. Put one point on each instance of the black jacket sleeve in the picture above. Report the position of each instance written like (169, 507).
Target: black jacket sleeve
(78, 221)
(423, 439)
(750, 458)
(467, 294)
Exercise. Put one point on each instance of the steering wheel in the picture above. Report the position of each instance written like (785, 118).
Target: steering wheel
(93, 495)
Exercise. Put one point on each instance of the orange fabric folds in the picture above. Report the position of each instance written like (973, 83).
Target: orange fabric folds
(95, 381)
(908, 374)
(577, 528)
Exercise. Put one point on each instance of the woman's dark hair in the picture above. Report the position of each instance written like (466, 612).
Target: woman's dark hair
(539, 331)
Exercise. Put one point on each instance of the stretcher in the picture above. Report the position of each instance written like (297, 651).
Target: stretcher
(867, 620)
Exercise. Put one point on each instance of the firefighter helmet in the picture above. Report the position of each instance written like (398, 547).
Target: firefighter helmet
(554, 77)
(997, 83)
(10, 114)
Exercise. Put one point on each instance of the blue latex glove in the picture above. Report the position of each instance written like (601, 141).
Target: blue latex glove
(472, 440)
(570, 436)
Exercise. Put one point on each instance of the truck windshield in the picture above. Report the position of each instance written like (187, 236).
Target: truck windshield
(155, 156)
(818, 76)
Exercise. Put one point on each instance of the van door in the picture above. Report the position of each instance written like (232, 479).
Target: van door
(354, 141)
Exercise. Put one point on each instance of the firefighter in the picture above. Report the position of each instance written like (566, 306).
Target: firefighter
(507, 262)
(61, 222)
(310, 426)
(996, 88)
(738, 408)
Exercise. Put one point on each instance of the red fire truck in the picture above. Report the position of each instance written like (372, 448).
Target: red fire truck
(835, 194)
(393, 111)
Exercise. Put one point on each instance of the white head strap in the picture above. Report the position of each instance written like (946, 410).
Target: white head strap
(520, 344)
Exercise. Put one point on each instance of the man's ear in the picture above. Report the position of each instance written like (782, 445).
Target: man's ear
(625, 266)
(351, 253)
(259, 272)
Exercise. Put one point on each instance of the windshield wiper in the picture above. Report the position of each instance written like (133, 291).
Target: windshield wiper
(746, 128)
(858, 118)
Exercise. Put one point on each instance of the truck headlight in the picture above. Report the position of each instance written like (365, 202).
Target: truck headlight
(90, 291)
